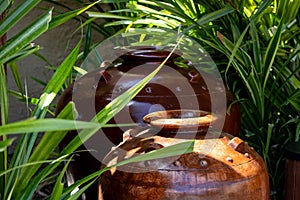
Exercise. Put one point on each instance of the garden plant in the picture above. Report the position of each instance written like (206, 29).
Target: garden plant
(254, 43)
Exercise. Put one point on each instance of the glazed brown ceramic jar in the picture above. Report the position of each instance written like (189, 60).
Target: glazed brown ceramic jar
(292, 171)
(219, 167)
(178, 85)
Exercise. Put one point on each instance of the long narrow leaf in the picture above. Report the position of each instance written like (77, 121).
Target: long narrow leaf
(60, 19)
(4, 5)
(40, 125)
(16, 15)
(25, 37)
(271, 53)
(57, 80)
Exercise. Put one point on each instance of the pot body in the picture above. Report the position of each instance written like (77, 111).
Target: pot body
(221, 167)
(292, 171)
(174, 87)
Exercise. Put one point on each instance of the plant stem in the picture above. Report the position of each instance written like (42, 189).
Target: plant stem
(3, 155)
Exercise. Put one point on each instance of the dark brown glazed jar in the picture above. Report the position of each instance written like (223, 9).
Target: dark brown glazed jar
(219, 167)
(178, 85)
(292, 171)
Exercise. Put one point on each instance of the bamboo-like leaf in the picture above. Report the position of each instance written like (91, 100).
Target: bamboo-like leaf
(4, 5)
(3, 96)
(41, 125)
(57, 80)
(4, 144)
(81, 191)
(271, 52)
(16, 74)
(49, 141)
(23, 38)
(262, 8)
(106, 15)
(59, 185)
(29, 49)
(60, 19)
(17, 14)
(256, 48)
(153, 22)
(29, 189)
(214, 15)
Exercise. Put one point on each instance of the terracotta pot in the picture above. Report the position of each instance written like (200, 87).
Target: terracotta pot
(174, 87)
(292, 176)
(220, 167)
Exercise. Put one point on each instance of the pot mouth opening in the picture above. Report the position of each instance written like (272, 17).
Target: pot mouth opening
(293, 150)
(180, 119)
(151, 53)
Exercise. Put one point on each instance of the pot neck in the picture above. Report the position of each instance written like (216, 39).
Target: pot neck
(189, 124)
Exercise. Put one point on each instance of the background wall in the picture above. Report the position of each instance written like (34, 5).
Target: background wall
(55, 46)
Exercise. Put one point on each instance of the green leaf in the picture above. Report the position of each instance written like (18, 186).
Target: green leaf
(16, 15)
(271, 53)
(57, 80)
(16, 74)
(60, 19)
(4, 5)
(4, 144)
(23, 38)
(29, 49)
(49, 141)
(3, 96)
(214, 15)
(59, 185)
(105, 15)
(41, 125)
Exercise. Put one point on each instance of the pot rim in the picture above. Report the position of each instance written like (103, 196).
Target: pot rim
(293, 150)
(179, 119)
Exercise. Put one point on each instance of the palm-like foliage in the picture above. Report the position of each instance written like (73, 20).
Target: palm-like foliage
(259, 60)
(32, 165)
(259, 45)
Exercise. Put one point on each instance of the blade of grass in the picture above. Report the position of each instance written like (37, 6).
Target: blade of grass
(24, 37)
(271, 53)
(4, 144)
(27, 141)
(60, 19)
(3, 121)
(16, 74)
(49, 141)
(16, 15)
(40, 125)
(4, 5)
(59, 185)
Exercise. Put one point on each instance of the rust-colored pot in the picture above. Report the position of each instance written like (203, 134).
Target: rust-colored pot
(292, 171)
(178, 85)
(220, 167)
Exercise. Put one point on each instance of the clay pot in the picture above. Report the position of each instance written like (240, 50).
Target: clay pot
(174, 87)
(292, 170)
(220, 167)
